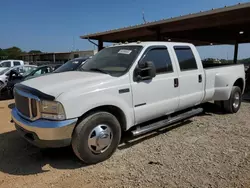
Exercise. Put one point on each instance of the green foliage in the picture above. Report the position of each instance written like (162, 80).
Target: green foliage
(35, 52)
(14, 53)
(3, 54)
(245, 61)
(224, 61)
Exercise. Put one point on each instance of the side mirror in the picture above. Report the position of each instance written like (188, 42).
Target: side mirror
(145, 71)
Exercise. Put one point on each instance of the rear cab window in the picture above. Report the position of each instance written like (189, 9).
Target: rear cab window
(185, 58)
(16, 63)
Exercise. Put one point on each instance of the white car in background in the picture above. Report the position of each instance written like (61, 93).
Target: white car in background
(4, 74)
(10, 63)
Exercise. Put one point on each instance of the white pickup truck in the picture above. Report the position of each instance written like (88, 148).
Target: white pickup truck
(137, 87)
(10, 63)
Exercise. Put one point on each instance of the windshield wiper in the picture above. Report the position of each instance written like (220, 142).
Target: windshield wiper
(98, 70)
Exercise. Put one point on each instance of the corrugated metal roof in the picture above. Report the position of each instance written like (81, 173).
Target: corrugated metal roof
(51, 53)
(168, 20)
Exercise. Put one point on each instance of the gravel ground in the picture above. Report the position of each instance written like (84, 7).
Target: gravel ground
(211, 150)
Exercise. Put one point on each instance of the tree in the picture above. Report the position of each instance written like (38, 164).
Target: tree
(245, 61)
(13, 52)
(3, 54)
(34, 52)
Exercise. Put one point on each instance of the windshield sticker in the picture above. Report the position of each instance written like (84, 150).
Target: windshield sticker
(125, 52)
(75, 62)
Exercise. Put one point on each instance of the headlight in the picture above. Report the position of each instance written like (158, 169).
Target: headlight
(52, 110)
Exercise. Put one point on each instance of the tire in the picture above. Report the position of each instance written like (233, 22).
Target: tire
(1, 85)
(219, 103)
(11, 92)
(232, 105)
(89, 130)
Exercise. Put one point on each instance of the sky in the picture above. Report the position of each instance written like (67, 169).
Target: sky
(55, 25)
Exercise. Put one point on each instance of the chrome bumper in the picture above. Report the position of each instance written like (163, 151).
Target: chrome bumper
(49, 132)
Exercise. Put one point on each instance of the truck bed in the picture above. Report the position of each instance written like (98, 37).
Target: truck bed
(220, 80)
(215, 65)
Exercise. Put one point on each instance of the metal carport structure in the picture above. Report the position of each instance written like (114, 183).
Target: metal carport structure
(227, 25)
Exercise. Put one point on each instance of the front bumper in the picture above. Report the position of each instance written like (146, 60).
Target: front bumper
(44, 133)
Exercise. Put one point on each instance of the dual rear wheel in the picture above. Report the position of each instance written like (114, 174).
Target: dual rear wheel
(232, 105)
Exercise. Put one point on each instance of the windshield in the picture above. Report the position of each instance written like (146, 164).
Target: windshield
(31, 69)
(70, 65)
(4, 71)
(114, 60)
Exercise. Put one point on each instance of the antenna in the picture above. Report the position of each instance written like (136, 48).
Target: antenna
(143, 16)
(73, 45)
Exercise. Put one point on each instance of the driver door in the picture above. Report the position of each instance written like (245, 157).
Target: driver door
(158, 96)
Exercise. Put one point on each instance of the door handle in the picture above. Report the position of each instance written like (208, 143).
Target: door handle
(200, 78)
(176, 82)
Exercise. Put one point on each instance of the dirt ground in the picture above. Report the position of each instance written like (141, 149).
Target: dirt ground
(211, 150)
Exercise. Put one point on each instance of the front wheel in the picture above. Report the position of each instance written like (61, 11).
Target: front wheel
(96, 137)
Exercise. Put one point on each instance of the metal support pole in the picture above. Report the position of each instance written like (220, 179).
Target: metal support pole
(236, 47)
(92, 42)
(100, 45)
(158, 35)
(54, 58)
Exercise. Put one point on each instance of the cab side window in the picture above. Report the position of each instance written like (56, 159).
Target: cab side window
(6, 64)
(161, 59)
(185, 58)
(19, 70)
(16, 63)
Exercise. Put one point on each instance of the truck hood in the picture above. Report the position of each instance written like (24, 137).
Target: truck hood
(58, 83)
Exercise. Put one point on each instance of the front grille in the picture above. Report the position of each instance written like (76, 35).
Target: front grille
(26, 106)
(22, 104)
(33, 107)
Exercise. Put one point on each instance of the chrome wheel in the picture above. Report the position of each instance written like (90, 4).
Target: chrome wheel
(236, 101)
(100, 138)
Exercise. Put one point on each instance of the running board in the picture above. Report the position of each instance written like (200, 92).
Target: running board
(166, 122)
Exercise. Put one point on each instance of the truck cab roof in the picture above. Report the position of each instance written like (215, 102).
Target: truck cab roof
(146, 44)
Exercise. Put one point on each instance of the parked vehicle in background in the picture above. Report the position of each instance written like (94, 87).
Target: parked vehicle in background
(72, 64)
(15, 77)
(44, 69)
(55, 66)
(10, 63)
(5, 73)
(137, 87)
